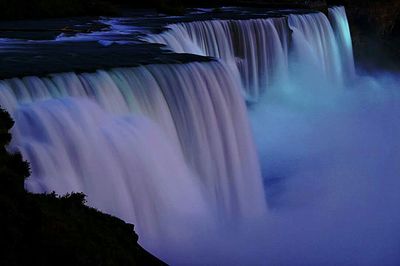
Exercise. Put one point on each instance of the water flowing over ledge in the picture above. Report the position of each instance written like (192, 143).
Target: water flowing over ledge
(170, 135)
(168, 147)
(261, 50)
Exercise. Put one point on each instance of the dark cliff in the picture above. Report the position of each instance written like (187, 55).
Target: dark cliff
(50, 230)
(375, 28)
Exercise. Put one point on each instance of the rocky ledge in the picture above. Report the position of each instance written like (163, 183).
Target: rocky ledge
(47, 229)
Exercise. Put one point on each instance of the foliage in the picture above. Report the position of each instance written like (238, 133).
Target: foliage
(26, 9)
(46, 229)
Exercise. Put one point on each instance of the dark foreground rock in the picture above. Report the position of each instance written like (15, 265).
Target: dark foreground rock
(375, 28)
(38, 229)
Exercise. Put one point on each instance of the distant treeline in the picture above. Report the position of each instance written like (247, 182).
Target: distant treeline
(27, 9)
(36, 9)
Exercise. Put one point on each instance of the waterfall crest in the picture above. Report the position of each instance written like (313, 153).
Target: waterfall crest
(197, 109)
(256, 48)
(167, 146)
(261, 50)
(340, 24)
(314, 45)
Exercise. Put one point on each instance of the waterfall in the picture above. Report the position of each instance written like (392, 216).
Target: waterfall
(338, 18)
(125, 165)
(257, 49)
(261, 50)
(314, 45)
(168, 146)
(138, 141)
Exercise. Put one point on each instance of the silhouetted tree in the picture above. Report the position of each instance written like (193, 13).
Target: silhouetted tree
(46, 229)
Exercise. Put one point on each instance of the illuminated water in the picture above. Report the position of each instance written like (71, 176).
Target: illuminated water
(313, 181)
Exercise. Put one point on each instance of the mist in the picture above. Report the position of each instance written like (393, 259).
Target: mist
(169, 148)
(330, 164)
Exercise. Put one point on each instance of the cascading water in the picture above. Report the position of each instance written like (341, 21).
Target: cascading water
(168, 147)
(149, 140)
(256, 48)
(314, 45)
(74, 145)
(259, 48)
(338, 18)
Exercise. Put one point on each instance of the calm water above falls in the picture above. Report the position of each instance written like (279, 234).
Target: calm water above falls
(308, 174)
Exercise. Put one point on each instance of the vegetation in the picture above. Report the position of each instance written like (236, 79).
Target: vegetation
(51, 230)
(383, 10)
(27, 9)
(33, 9)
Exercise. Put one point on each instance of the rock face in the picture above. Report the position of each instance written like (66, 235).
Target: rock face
(381, 16)
(375, 26)
(53, 230)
